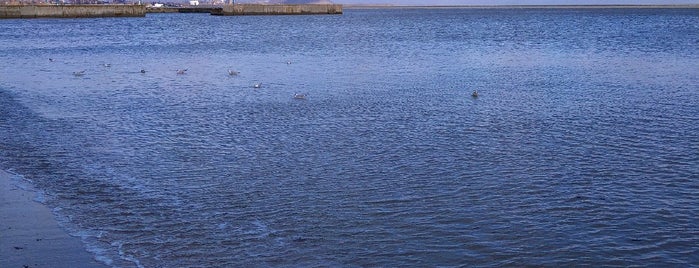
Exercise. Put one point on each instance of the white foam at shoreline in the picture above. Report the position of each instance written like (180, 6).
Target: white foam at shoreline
(35, 236)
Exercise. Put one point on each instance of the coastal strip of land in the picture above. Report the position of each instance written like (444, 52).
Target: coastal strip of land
(30, 236)
(90, 11)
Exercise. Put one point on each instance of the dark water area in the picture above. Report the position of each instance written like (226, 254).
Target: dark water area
(582, 148)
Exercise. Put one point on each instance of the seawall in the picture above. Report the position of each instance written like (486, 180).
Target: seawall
(190, 9)
(258, 9)
(71, 11)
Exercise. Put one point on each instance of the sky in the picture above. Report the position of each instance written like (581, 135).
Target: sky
(519, 2)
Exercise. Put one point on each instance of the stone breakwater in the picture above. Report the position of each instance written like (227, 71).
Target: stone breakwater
(71, 11)
(256, 9)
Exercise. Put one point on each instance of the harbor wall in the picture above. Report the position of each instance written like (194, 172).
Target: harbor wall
(71, 11)
(259, 9)
(186, 9)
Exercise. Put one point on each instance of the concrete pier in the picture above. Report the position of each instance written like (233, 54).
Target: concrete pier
(258, 9)
(71, 11)
(189, 9)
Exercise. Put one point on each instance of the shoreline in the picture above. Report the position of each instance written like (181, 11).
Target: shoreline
(30, 236)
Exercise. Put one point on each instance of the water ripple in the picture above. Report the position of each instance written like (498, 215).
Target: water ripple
(581, 148)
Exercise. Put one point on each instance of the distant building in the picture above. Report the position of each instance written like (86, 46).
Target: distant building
(194, 2)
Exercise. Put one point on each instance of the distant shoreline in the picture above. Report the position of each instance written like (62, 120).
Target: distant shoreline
(351, 6)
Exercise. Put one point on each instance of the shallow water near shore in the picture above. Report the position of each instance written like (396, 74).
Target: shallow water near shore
(581, 149)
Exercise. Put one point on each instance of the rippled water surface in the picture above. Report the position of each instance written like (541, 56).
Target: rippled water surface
(581, 149)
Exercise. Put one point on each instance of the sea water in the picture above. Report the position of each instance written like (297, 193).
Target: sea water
(582, 147)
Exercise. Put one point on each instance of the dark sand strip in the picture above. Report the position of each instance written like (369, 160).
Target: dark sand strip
(30, 235)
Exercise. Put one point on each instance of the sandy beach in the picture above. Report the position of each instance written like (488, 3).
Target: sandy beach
(31, 237)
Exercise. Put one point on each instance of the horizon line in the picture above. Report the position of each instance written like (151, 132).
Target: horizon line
(526, 6)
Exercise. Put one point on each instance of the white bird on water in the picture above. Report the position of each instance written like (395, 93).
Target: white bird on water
(181, 71)
(300, 96)
(233, 72)
(79, 73)
(257, 85)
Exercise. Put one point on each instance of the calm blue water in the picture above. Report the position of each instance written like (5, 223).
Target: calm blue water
(582, 149)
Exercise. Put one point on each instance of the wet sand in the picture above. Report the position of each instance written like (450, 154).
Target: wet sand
(30, 235)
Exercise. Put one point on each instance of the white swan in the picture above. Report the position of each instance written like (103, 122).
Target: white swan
(181, 71)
